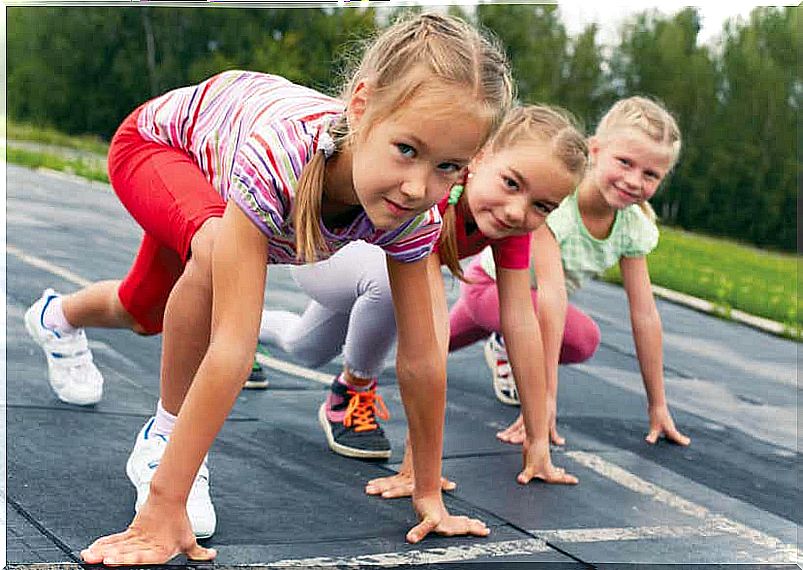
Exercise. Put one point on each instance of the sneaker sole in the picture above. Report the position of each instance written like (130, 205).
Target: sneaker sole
(29, 328)
(490, 360)
(141, 497)
(343, 449)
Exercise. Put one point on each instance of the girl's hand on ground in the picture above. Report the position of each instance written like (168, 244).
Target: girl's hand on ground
(515, 433)
(154, 537)
(538, 465)
(435, 518)
(400, 485)
(661, 424)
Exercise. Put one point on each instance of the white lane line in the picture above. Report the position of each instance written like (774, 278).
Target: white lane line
(616, 534)
(781, 551)
(523, 547)
(68, 275)
(47, 266)
(294, 369)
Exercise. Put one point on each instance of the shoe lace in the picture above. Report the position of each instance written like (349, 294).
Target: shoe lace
(363, 409)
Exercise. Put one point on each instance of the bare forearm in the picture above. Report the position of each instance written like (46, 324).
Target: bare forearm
(552, 320)
(217, 383)
(524, 346)
(423, 389)
(648, 338)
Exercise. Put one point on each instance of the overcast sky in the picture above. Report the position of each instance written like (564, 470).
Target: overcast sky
(576, 14)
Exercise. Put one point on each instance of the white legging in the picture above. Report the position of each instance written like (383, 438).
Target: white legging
(351, 309)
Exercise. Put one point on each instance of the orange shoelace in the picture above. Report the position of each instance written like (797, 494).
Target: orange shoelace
(363, 409)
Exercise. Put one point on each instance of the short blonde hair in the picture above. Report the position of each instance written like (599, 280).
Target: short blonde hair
(429, 49)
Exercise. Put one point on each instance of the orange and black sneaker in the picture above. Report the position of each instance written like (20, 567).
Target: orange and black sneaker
(348, 418)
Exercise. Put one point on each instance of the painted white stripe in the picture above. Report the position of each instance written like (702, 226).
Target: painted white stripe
(294, 369)
(782, 551)
(68, 275)
(587, 535)
(47, 266)
(523, 547)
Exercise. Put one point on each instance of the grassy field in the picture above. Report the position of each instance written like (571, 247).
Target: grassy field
(732, 275)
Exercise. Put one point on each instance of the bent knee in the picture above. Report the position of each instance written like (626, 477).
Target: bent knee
(582, 344)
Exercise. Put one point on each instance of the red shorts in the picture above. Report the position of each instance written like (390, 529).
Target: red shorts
(169, 196)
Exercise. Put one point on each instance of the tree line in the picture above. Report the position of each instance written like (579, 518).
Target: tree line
(82, 70)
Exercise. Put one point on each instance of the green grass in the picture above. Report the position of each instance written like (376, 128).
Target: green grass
(37, 159)
(731, 275)
(45, 135)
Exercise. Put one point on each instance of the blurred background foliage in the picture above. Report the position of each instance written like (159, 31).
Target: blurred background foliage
(82, 70)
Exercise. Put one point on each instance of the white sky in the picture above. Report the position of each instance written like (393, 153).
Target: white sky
(577, 14)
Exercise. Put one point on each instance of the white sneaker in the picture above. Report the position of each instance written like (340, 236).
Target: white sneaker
(72, 374)
(504, 382)
(141, 466)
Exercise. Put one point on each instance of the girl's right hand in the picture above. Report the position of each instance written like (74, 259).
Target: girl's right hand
(435, 518)
(402, 484)
(538, 465)
(155, 536)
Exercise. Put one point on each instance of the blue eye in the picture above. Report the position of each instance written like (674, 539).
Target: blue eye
(449, 167)
(542, 208)
(510, 184)
(406, 150)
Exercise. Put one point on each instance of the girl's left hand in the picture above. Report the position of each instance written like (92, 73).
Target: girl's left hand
(661, 424)
(435, 518)
(538, 465)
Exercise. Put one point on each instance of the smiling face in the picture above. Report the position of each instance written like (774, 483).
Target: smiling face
(405, 163)
(511, 190)
(628, 166)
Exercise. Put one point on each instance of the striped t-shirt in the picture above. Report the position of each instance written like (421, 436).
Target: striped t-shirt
(251, 135)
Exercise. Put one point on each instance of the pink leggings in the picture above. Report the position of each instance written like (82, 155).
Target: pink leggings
(476, 315)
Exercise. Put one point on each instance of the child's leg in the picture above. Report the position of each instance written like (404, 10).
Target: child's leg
(581, 337)
(313, 338)
(372, 325)
(476, 313)
(350, 287)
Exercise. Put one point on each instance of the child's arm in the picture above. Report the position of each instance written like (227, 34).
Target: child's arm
(522, 335)
(421, 373)
(551, 314)
(161, 529)
(648, 338)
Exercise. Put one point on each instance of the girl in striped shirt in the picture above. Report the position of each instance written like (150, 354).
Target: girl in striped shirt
(246, 169)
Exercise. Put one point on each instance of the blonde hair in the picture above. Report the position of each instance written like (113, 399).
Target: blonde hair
(651, 118)
(554, 126)
(400, 62)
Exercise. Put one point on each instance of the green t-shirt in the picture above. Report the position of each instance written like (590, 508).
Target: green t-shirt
(633, 235)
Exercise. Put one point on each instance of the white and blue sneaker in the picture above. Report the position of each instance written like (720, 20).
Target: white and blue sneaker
(72, 374)
(141, 466)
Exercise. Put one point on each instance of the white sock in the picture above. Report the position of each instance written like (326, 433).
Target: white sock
(165, 421)
(54, 318)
